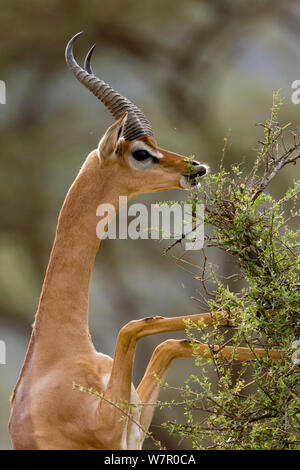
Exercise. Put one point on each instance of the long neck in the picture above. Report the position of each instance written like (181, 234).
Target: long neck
(62, 318)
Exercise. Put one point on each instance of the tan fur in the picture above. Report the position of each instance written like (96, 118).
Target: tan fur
(46, 413)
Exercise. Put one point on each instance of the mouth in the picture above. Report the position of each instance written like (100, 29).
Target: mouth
(191, 180)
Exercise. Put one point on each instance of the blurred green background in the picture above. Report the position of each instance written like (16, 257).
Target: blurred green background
(196, 68)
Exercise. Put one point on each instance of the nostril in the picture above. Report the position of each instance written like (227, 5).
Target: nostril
(197, 170)
(201, 170)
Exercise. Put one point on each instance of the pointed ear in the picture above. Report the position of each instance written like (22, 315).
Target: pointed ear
(108, 143)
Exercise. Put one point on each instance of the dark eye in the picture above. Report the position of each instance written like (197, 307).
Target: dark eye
(141, 155)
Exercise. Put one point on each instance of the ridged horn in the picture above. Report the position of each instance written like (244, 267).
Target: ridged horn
(137, 124)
